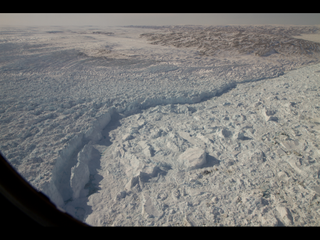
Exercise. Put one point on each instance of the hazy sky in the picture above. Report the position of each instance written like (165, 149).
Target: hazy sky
(120, 19)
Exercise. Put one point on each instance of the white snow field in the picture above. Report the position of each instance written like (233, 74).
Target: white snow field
(166, 126)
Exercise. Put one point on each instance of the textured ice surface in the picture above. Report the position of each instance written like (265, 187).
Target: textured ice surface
(204, 126)
(192, 158)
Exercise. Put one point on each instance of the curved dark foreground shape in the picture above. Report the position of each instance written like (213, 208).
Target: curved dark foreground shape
(24, 206)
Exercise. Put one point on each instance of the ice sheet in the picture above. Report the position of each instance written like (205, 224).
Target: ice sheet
(101, 120)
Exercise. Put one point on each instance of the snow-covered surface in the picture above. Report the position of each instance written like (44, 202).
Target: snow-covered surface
(183, 125)
(310, 37)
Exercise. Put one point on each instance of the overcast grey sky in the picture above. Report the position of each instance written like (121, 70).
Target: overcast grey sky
(120, 19)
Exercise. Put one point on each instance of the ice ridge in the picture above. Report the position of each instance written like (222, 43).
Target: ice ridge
(72, 162)
(71, 171)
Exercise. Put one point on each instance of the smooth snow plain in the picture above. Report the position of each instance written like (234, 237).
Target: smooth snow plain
(166, 126)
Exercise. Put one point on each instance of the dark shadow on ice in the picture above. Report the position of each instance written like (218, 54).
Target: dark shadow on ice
(113, 124)
(95, 164)
(145, 177)
(78, 207)
(211, 161)
(279, 223)
(245, 138)
(92, 186)
(227, 89)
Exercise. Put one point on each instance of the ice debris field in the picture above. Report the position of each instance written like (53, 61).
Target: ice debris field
(166, 126)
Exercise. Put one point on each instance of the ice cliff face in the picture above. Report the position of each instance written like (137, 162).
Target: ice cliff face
(71, 171)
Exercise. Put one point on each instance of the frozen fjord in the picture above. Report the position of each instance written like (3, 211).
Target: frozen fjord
(62, 88)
